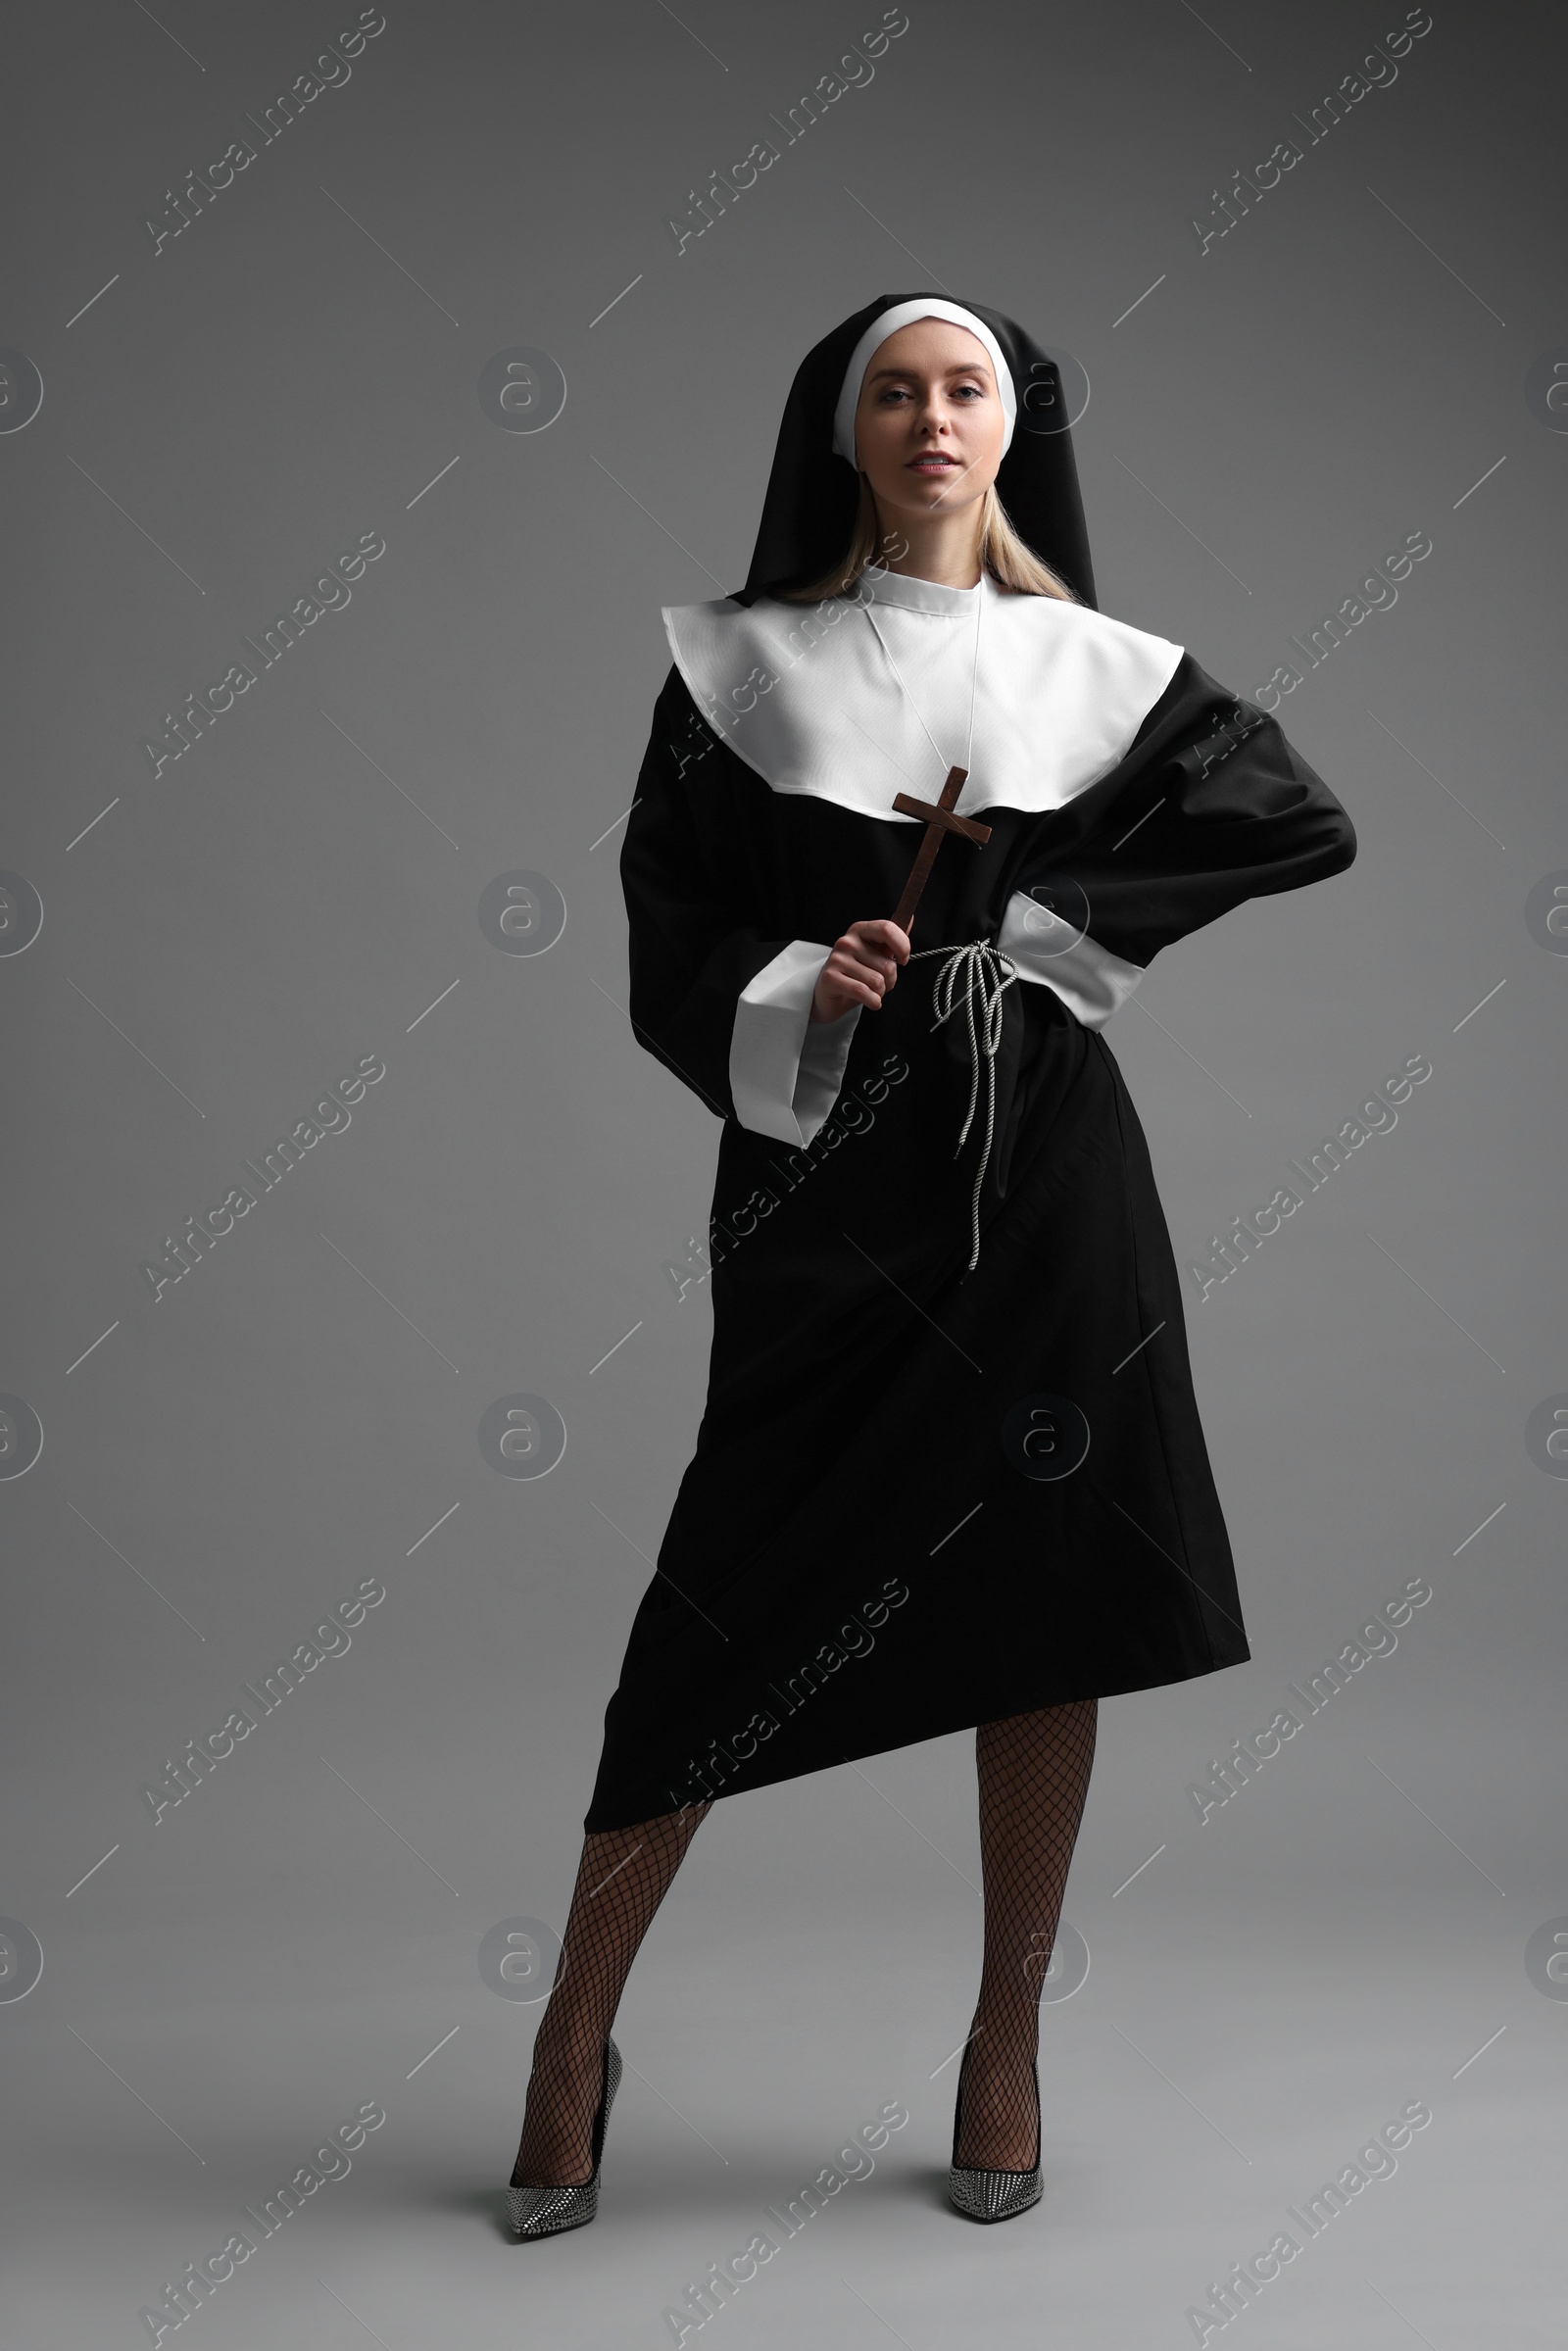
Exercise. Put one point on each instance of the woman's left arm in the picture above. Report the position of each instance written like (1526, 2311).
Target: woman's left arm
(1211, 806)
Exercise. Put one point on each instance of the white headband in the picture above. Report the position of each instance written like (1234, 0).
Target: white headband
(904, 313)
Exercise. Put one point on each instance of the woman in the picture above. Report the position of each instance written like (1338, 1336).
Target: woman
(951, 1471)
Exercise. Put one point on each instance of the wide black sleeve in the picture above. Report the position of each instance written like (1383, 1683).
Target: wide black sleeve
(691, 949)
(1211, 806)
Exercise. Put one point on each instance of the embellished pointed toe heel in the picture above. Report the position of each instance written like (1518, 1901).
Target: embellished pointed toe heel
(546, 2211)
(991, 2195)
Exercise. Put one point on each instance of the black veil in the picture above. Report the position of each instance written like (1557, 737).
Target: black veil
(809, 510)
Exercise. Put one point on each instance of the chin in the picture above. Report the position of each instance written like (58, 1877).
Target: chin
(929, 497)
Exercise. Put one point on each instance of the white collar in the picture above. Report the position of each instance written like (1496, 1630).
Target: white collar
(808, 697)
(905, 592)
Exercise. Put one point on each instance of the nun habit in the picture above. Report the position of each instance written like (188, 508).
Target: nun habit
(950, 1466)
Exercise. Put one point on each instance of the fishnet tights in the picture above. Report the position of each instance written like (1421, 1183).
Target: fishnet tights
(1034, 1776)
(623, 1878)
(1033, 1773)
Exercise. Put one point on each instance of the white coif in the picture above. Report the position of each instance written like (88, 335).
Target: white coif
(805, 694)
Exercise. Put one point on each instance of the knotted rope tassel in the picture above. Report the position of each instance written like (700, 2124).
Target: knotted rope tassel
(987, 973)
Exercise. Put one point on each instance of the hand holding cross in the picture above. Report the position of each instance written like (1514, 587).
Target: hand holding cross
(864, 964)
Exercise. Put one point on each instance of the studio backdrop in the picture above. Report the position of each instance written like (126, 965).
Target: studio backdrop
(368, 381)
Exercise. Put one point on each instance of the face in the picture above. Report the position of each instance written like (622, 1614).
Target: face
(929, 425)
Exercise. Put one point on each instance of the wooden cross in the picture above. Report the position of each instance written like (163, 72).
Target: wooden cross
(940, 819)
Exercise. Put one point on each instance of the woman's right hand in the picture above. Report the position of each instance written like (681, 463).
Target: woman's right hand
(861, 968)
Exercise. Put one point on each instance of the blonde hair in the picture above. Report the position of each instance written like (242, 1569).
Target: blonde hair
(1012, 563)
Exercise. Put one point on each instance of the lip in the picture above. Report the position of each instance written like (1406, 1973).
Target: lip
(932, 461)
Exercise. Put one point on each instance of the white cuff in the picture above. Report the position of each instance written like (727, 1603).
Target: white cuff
(785, 1070)
(1089, 980)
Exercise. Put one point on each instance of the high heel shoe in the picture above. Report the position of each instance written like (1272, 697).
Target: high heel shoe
(991, 2195)
(546, 2211)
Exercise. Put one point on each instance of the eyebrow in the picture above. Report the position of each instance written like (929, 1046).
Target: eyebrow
(967, 368)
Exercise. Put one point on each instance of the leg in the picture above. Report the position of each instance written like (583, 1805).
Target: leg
(622, 1880)
(1034, 1775)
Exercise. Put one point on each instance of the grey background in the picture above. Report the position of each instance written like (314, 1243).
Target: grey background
(297, 1413)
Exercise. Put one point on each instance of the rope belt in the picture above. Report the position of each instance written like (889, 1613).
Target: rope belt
(983, 971)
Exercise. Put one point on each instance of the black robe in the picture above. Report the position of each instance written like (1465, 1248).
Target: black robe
(872, 1544)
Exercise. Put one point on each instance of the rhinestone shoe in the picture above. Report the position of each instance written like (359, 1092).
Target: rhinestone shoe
(991, 2195)
(546, 2211)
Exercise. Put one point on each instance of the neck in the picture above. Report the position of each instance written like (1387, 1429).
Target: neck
(944, 548)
